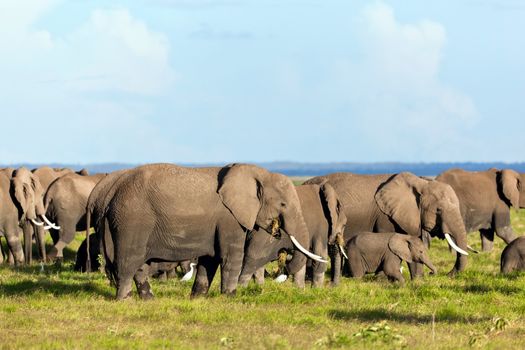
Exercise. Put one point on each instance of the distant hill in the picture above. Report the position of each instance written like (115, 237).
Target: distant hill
(315, 169)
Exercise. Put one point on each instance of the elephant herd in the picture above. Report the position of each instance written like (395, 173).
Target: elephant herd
(153, 218)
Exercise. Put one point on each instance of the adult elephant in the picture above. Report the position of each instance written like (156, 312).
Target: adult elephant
(403, 203)
(20, 194)
(27, 196)
(45, 175)
(485, 199)
(8, 173)
(65, 203)
(164, 212)
(325, 220)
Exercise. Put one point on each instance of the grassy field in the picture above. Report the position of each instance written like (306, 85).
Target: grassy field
(58, 308)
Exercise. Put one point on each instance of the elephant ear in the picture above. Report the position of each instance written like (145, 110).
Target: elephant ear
(400, 246)
(398, 198)
(510, 186)
(22, 193)
(333, 205)
(36, 185)
(241, 193)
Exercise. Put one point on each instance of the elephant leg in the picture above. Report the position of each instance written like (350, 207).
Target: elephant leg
(162, 276)
(426, 239)
(124, 287)
(259, 276)
(28, 242)
(127, 270)
(318, 279)
(185, 266)
(16, 254)
(66, 236)
(487, 239)
(55, 235)
(10, 257)
(171, 273)
(318, 268)
(335, 261)
(142, 283)
(206, 269)
(231, 269)
(299, 277)
(506, 233)
(41, 241)
(2, 253)
(392, 271)
(416, 270)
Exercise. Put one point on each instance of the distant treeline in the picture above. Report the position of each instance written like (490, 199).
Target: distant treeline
(315, 169)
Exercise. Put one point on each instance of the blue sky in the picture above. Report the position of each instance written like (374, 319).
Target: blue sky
(220, 81)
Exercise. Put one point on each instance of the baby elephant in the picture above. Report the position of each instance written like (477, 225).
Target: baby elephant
(513, 256)
(375, 252)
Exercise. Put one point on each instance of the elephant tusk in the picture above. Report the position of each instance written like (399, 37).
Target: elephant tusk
(49, 223)
(343, 251)
(47, 227)
(37, 223)
(306, 252)
(281, 278)
(472, 249)
(401, 269)
(453, 245)
(188, 274)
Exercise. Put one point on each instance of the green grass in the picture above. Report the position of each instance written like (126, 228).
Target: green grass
(58, 308)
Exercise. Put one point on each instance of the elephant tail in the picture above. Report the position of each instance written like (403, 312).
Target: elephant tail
(88, 225)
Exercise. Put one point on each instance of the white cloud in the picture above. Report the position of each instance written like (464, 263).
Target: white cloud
(400, 103)
(62, 87)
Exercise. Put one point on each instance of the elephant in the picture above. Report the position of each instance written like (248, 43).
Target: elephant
(402, 203)
(325, 221)
(165, 212)
(94, 252)
(370, 252)
(10, 221)
(485, 199)
(65, 203)
(513, 256)
(37, 181)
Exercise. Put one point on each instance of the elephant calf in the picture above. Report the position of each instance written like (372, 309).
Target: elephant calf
(375, 252)
(513, 256)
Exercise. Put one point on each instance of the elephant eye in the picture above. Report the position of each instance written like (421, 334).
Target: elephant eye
(283, 204)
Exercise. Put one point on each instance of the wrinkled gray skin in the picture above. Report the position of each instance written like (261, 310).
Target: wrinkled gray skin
(402, 203)
(27, 193)
(65, 205)
(46, 175)
(9, 220)
(170, 213)
(485, 199)
(513, 256)
(320, 208)
(384, 252)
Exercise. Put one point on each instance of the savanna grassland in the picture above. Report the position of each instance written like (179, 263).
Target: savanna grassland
(57, 308)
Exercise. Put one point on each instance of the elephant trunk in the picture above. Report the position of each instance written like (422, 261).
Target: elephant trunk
(428, 263)
(300, 237)
(249, 266)
(456, 235)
